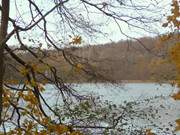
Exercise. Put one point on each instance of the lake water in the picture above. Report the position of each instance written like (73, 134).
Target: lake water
(149, 96)
(158, 95)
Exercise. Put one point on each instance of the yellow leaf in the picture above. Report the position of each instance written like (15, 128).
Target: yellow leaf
(62, 129)
(45, 121)
(20, 94)
(176, 96)
(78, 67)
(165, 37)
(76, 40)
(148, 132)
(42, 132)
(178, 125)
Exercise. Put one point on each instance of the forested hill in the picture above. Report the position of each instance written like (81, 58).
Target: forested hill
(142, 59)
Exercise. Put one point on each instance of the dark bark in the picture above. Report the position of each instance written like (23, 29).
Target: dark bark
(3, 33)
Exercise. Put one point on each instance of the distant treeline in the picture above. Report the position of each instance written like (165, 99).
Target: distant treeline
(142, 59)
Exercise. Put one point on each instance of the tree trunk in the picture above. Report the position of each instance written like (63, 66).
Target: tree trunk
(3, 33)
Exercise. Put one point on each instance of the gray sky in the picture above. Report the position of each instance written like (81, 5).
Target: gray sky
(60, 32)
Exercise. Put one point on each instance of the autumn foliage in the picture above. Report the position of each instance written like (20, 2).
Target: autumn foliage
(174, 22)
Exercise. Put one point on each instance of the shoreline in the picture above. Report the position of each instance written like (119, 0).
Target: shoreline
(172, 82)
(147, 81)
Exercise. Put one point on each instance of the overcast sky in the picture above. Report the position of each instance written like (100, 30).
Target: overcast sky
(157, 9)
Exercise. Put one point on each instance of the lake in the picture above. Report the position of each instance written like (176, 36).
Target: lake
(150, 98)
(148, 95)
